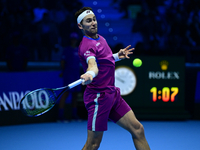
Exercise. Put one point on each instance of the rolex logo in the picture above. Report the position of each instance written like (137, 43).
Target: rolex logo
(164, 65)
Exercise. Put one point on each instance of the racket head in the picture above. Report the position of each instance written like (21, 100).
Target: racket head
(37, 102)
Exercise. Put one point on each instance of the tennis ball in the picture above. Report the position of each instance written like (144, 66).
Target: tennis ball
(137, 62)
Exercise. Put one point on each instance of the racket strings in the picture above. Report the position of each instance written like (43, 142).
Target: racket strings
(38, 102)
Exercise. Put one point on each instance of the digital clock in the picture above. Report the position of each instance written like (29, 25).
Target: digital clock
(166, 94)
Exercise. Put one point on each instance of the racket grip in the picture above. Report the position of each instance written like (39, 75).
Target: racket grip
(75, 83)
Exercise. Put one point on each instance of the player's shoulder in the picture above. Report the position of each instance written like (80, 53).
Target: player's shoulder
(86, 43)
(101, 37)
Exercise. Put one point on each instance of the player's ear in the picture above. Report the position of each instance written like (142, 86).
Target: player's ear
(80, 26)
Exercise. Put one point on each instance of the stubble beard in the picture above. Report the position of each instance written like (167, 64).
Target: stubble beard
(92, 32)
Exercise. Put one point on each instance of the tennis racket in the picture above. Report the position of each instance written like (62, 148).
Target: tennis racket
(38, 102)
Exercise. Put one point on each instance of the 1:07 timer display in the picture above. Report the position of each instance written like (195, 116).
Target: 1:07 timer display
(166, 94)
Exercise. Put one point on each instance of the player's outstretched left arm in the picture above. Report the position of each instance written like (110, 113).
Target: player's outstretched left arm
(123, 53)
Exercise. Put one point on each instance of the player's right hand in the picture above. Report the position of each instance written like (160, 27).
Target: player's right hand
(87, 78)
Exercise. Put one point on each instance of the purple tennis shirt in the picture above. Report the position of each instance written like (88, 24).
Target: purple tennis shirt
(98, 48)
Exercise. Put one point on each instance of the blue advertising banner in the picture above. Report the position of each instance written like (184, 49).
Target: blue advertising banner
(197, 92)
(13, 86)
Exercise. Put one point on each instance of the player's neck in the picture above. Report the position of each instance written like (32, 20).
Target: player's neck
(92, 36)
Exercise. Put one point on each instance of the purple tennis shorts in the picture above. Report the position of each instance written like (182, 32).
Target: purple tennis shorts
(104, 106)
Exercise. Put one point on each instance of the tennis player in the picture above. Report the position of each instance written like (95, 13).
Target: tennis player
(101, 98)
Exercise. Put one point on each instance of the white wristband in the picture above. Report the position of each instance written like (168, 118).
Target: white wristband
(91, 73)
(116, 57)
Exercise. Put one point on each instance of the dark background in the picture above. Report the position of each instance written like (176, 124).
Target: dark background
(31, 41)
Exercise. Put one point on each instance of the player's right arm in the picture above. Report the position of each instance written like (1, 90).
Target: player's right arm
(92, 71)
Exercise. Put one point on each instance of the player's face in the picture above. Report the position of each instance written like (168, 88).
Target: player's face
(89, 25)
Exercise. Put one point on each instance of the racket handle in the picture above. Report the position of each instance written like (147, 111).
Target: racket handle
(75, 83)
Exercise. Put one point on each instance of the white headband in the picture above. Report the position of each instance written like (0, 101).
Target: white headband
(83, 14)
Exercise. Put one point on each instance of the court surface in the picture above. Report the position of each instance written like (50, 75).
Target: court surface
(161, 135)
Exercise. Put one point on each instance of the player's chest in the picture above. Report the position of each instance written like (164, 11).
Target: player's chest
(104, 55)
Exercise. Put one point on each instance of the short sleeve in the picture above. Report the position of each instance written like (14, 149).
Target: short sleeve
(88, 54)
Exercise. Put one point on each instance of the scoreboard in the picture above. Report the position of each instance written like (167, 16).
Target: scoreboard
(158, 84)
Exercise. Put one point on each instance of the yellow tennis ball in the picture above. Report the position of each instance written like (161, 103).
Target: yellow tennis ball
(137, 62)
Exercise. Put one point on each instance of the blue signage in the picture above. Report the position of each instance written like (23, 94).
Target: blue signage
(197, 92)
(13, 86)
